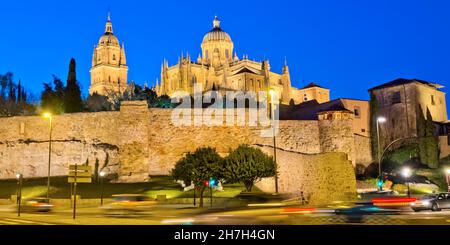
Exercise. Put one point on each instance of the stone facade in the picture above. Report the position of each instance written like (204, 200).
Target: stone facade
(109, 72)
(402, 101)
(217, 68)
(321, 177)
(136, 142)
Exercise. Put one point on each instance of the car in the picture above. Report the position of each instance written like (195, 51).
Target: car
(130, 204)
(357, 213)
(37, 204)
(433, 202)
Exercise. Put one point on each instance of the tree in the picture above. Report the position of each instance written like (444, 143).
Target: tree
(52, 98)
(96, 102)
(198, 167)
(72, 93)
(13, 99)
(428, 141)
(247, 165)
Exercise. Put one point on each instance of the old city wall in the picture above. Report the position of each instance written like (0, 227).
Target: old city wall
(321, 177)
(76, 138)
(137, 142)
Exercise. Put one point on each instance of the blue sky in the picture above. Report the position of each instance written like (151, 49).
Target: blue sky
(347, 46)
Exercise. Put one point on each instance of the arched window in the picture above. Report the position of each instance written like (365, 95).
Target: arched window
(206, 54)
(227, 54)
(114, 57)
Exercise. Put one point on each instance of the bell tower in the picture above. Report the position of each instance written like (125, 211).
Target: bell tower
(109, 66)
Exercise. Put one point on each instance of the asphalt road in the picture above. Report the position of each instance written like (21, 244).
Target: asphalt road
(250, 216)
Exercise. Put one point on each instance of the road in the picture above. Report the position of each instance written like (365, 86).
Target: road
(250, 216)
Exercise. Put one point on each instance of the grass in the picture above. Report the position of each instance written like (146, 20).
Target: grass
(157, 185)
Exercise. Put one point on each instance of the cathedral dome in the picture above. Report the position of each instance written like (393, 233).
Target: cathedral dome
(108, 39)
(216, 34)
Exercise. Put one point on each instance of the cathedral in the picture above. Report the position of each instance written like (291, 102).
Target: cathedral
(219, 68)
(216, 68)
(109, 65)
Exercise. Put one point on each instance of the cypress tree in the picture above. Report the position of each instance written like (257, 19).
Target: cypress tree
(19, 93)
(72, 93)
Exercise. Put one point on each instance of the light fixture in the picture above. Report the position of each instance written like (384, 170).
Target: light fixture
(406, 172)
(381, 119)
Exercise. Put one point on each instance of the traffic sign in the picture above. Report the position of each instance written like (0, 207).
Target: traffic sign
(80, 180)
(80, 167)
(80, 174)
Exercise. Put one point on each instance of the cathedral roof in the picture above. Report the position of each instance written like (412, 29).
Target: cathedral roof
(216, 34)
(312, 85)
(245, 69)
(108, 39)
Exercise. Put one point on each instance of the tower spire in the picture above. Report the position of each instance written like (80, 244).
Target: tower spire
(216, 22)
(108, 26)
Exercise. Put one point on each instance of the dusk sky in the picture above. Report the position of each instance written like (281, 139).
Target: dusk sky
(346, 46)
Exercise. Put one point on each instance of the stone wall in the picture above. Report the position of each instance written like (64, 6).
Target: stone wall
(363, 154)
(136, 142)
(76, 138)
(322, 177)
(336, 133)
(444, 146)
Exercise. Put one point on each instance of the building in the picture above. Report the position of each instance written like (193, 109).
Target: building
(310, 110)
(109, 65)
(402, 102)
(219, 68)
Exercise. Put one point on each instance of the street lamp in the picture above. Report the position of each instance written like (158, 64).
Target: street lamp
(406, 172)
(447, 177)
(102, 174)
(379, 120)
(49, 116)
(19, 177)
(272, 113)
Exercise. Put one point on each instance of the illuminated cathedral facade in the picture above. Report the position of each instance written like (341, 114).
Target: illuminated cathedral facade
(219, 68)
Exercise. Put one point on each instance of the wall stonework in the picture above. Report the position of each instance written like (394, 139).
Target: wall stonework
(133, 135)
(137, 142)
(76, 138)
(336, 133)
(363, 155)
(321, 177)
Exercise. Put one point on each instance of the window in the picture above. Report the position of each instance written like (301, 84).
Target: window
(206, 54)
(393, 122)
(432, 100)
(363, 130)
(114, 57)
(305, 98)
(396, 98)
(357, 111)
(227, 54)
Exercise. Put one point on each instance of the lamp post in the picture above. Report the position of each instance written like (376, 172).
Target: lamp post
(19, 192)
(272, 113)
(406, 172)
(379, 120)
(102, 174)
(447, 178)
(49, 117)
